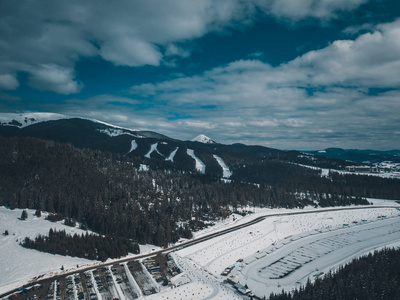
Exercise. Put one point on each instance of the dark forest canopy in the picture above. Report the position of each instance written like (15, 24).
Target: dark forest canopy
(107, 193)
(88, 246)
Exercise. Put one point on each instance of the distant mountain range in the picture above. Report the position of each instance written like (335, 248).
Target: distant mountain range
(359, 156)
(201, 154)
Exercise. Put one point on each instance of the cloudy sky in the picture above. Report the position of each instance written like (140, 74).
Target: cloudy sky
(288, 74)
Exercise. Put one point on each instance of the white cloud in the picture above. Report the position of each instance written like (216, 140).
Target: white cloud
(130, 52)
(55, 78)
(372, 60)
(318, 98)
(297, 10)
(128, 32)
(8, 82)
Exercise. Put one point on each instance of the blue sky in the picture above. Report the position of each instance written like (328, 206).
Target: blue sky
(288, 74)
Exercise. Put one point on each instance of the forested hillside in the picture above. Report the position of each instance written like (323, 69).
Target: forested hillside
(109, 194)
(372, 277)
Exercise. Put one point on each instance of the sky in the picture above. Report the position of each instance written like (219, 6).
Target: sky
(286, 74)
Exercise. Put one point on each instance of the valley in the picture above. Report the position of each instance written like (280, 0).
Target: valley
(206, 220)
(262, 246)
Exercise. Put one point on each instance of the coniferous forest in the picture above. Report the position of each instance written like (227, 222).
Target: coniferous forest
(108, 193)
(86, 246)
(372, 277)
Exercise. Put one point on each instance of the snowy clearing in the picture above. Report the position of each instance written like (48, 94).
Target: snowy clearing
(200, 166)
(172, 155)
(325, 172)
(133, 146)
(153, 148)
(113, 132)
(226, 173)
(19, 264)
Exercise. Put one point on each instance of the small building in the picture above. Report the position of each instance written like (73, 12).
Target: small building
(242, 289)
(226, 271)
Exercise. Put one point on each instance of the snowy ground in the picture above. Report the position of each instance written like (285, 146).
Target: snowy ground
(226, 173)
(383, 174)
(200, 166)
(292, 261)
(18, 264)
(291, 247)
(325, 240)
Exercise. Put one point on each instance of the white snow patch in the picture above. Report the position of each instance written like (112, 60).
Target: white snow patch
(133, 146)
(113, 132)
(200, 166)
(201, 138)
(144, 167)
(226, 172)
(172, 155)
(27, 119)
(324, 172)
(153, 148)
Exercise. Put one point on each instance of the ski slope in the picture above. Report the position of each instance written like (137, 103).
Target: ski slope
(226, 173)
(200, 166)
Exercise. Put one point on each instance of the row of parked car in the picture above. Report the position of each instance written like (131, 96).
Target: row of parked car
(53, 292)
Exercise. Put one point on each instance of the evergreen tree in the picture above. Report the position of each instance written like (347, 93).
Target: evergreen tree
(24, 215)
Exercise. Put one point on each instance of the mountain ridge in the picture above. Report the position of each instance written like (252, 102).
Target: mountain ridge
(154, 149)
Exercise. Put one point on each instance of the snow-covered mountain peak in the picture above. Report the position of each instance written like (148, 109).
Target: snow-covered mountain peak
(201, 138)
(28, 118)
(24, 119)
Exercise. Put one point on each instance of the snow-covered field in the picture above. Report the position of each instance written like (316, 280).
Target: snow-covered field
(278, 252)
(298, 245)
(19, 264)
(383, 174)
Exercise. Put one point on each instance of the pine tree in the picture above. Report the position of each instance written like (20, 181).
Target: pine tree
(24, 215)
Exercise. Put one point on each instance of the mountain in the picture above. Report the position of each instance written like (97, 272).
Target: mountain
(156, 150)
(26, 119)
(101, 175)
(201, 138)
(360, 156)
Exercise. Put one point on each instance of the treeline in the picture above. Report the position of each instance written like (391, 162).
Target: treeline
(372, 277)
(107, 192)
(295, 178)
(87, 245)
